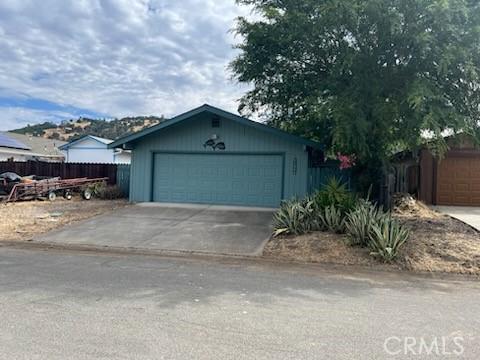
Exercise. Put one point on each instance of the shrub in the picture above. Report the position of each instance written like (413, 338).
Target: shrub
(294, 217)
(360, 221)
(332, 219)
(334, 193)
(386, 237)
(105, 192)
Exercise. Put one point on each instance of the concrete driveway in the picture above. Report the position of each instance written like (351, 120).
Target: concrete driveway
(468, 214)
(152, 226)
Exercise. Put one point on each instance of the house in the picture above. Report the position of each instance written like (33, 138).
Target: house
(19, 147)
(452, 180)
(94, 149)
(208, 155)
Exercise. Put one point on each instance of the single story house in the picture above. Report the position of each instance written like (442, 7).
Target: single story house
(20, 147)
(452, 180)
(94, 149)
(208, 155)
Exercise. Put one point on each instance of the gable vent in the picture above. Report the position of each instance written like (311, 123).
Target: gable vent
(215, 122)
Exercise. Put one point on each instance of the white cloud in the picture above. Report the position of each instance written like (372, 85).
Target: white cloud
(15, 117)
(118, 57)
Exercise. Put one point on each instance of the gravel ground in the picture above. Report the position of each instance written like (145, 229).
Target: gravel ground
(24, 220)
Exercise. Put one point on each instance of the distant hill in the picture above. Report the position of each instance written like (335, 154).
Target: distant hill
(71, 129)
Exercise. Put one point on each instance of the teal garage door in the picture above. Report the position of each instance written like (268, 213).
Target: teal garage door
(228, 179)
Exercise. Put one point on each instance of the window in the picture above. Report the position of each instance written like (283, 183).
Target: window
(215, 122)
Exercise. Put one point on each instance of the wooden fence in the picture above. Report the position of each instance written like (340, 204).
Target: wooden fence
(319, 176)
(70, 170)
(123, 178)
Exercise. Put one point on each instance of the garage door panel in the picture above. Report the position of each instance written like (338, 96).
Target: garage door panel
(461, 199)
(475, 199)
(444, 199)
(474, 173)
(445, 187)
(458, 181)
(218, 178)
(461, 187)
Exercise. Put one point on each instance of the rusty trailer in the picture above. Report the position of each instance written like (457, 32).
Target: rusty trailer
(50, 188)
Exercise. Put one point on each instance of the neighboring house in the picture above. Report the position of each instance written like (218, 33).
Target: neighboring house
(19, 147)
(453, 180)
(94, 149)
(211, 156)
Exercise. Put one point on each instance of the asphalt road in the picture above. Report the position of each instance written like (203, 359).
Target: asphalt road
(59, 305)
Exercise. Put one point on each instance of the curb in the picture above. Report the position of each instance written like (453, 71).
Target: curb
(314, 268)
(123, 250)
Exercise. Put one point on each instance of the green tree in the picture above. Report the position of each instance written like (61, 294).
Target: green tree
(366, 77)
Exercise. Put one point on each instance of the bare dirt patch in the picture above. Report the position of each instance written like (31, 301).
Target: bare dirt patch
(24, 220)
(318, 247)
(438, 243)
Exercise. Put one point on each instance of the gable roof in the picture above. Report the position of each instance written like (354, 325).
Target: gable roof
(96, 138)
(102, 140)
(215, 111)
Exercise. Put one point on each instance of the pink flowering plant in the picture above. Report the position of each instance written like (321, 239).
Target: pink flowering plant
(346, 161)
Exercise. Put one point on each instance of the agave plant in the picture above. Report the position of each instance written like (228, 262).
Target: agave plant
(331, 219)
(335, 193)
(294, 217)
(386, 238)
(359, 222)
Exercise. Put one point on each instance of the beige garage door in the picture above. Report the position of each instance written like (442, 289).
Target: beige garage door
(458, 181)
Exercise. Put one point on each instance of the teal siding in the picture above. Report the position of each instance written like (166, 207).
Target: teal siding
(191, 134)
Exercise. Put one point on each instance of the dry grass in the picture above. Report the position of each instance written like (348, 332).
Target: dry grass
(437, 243)
(24, 220)
(440, 244)
(318, 247)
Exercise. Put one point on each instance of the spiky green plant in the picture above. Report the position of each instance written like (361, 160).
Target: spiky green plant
(386, 237)
(359, 222)
(332, 219)
(335, 193)
(294, 217)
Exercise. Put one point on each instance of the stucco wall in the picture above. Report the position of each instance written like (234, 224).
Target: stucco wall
(190, 135)
(123, 158)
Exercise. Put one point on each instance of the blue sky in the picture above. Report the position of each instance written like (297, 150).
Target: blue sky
(113, 58)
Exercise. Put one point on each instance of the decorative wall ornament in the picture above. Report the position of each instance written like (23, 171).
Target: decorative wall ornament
(214, 144)
(220, 146)
(210, 143)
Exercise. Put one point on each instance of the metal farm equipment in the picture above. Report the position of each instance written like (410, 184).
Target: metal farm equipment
(49, 188)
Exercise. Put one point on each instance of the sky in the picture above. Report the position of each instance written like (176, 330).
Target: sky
(114, 58)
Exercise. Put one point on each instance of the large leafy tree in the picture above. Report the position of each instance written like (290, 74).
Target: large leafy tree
(366, 77)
